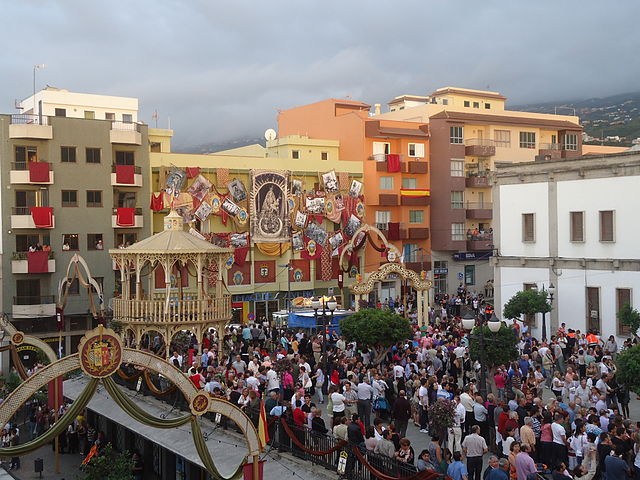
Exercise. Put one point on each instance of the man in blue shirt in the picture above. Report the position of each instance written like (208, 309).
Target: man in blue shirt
(499, 473)
(457, 470)
(615, 466)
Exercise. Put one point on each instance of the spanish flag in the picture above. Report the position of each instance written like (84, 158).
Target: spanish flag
(263, 432)
(415, 192)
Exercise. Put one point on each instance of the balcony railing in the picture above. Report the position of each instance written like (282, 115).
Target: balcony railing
(549, 146)
(23, 210)
(23, 255)
(479, 236)
(136, 169)
(115, 210)
(180, 311)
(125, 126)
(28, 119)
(479, 205)
(483, 142)
(33, 299)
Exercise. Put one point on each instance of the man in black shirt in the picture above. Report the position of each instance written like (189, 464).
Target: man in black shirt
(308, 404)
(354, 434)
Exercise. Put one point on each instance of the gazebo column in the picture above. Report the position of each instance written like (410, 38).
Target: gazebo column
(199, 276)
(138, 278)
(220, 331)
(219, 282)
(167, 285)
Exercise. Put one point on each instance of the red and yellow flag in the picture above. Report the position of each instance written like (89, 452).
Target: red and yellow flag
(263, 432)
(415, 192)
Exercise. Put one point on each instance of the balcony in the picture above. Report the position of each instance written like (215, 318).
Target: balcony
(382, 165)
(21, 217)
(120, 180)
(20, 264)
(387, 199)
(418, 167)
(415, 201)
(480, 147)
(418, 266)
(29, 306)
(479, 211)
(476, 243)
(125, 132)
(418, 233)
(549, 151)
(175, 311)
(30, 126)
(125, 221)
(477, 181)
(20, 174)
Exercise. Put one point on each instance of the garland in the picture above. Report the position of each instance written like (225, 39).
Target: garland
(304, 448)
(205, 456)
(126, 377)
(60, 426)
(424, 475)
(375, 247)
(154, 389)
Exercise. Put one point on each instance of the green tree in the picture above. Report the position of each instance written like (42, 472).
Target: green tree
(526, 302)
(376, 329)
(500, 347)
(629, 316)
(628, 371)
(110, 465)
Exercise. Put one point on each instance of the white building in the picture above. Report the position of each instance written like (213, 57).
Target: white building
(573, 223)
(58, 102)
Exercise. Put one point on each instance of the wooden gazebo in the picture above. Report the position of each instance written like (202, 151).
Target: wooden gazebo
(176, 308)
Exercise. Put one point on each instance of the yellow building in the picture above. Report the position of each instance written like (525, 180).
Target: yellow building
(259, 282)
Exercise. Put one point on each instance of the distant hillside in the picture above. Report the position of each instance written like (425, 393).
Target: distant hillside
(219, 146)
(617, 115)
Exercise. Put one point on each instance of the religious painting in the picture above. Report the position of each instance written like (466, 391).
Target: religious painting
(238, 240)
(301, 220)
(355, 189)
(330, 181)
(203, 211)
(186, 213)
(352, 225)
(296, 187)
(317, 233)
(199, 188)
(336, 240)
(298, 241)
(175, 181)
(237, 190)
(269, 206)
(315, 205)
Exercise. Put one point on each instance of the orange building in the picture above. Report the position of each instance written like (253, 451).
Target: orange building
(396, 173)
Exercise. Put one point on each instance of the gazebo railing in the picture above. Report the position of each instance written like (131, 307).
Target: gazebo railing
(158, 311)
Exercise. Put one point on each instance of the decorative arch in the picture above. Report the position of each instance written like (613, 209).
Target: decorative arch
(363, 234)
(74, 271)
(18, 338)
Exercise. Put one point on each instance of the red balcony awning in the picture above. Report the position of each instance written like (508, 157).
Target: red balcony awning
(38, 172)
(42, 216)
(126, 217)
(38, 262)
(125, 174)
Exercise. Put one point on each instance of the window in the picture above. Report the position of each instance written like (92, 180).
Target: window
(124, 199)
(69, 198)
(409, 182)
(380, 149)
(125, 239)
(24, 155)
(60, 112)
(416, 150)
(28, 292)
(383, 217)
(127, 118)
(527, 140)
(469, 274)
(109, 116)
(623, 296)
(23, 242)
(457, 199)
(324, 155)
(607, 226)
(100, 282)
(295, 154)
(570, 142)
(31, 198)
(502, 138)
(528, 227)
(487, 106)
(386, 183)
(89, 115)
(73, 288)
(445, 101)
(93, 155)
(476, 104)
(70, 241)
(576, 226)
(416, 216)
(125, 158)
(467, 103)
(156, 147)
(457, 232)
(530, 318)
(94, 241)
(94, 198)
(457, 168)
(456, 135)
(68, 154)
(410, 252)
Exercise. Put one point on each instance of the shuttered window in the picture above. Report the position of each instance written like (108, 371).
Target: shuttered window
(577, 226)
(528, 227)
(623, 296)
(606, 226)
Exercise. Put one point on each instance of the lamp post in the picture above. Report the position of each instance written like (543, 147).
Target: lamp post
(330, 305)
(36, 67)
(494, 324)
(550, 291)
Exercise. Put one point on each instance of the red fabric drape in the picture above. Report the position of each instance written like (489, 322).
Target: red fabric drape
(42, 216)
(157, 202)
(159, 277)
(393, 163)
(38, 262)
(394, 231)
(240, 256)
(125, 217)
(125, 174)
(38, 172)
(193, 172)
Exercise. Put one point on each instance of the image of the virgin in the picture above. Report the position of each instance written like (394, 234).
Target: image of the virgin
(270, 209)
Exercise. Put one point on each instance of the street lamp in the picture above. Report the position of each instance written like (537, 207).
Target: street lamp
(551, 290)
(36, 67)
(494, 324)
(330, 305)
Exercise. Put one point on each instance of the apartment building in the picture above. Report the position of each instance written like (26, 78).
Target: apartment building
(72, 185)
(260, 275)
(570, 223)
(470, 131)
(393, 155)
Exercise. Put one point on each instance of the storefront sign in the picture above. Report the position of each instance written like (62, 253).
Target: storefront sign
(466, 256)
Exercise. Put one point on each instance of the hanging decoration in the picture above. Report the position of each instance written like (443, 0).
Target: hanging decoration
(199, 188)
(203, 211)
(273, 249)
(298, 241)
(175, 181)
(355, 189)
(330, 182)
(312, 250)
(237, 190)
(317, 233)
(222, 177)
(269, 206)
(230, 207)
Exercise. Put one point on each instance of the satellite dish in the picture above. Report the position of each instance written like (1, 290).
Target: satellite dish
(270, 134)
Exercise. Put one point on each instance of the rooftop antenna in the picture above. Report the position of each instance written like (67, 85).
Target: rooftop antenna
(155, 117)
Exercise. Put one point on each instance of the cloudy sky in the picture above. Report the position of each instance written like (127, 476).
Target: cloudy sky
(221, 69)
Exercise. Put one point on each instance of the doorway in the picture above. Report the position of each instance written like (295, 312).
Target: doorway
(593, 308)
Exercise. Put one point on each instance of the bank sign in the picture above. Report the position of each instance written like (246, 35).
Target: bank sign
(468, 256)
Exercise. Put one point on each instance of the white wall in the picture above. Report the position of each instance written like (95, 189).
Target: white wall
(590, 196)
(514, 201)
(77, 103)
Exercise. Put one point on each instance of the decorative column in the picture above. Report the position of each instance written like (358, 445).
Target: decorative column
(199, 277)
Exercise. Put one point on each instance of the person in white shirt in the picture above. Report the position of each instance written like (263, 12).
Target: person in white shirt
(337, 400)
(456, 430)
(272, 380)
